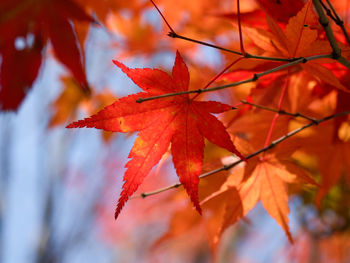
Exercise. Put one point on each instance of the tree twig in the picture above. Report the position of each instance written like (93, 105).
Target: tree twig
(330, 36)
(328, 11)
(281, 112)
(255, 77)
(334, 16)
(240, 29)
(264, 149)
(173, 34)
(219, 74)
(327, 28)
(246, 55)
(160, 13)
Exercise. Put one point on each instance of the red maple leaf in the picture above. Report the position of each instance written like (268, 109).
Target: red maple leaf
(178, 120)
(25, 28)
(281, 10)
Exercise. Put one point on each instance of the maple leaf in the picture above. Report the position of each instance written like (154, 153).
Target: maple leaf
(333, 154)
(265, 179)
(32, 23)
(330, 143)
(282, 10)
(105, 8)
(68, 102)
(73, 99)
(184, 222)
(178, 120)
(254, 13)
(301, 38)
(138, 37)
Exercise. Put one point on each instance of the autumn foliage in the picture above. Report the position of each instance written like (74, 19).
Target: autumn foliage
(268, 122)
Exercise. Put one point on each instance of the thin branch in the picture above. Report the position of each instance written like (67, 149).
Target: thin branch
(219, 74)
(255, 77)
(281, 112)
(323, 21)
(246, 55)
(333, 10)
(344, 61)
(329, 33)
(330, 36)
(328, 11)
(240, 29)
(264, 149)
(173, 34)
(166, 22)
(336, 19)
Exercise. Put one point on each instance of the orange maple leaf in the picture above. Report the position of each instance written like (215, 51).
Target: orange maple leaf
(265, 179)
(73, 99)
(178, 120)
(302, 37)
(68, 102)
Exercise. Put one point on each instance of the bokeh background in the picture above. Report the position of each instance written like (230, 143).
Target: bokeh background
(59, 187)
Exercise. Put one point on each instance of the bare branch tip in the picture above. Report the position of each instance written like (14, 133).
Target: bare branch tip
(316, 122)
(336, 55)
(172, 34)
(265, 149)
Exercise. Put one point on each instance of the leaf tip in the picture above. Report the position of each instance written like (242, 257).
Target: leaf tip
(71, 125)
(197, 206)
(236, 152)
(120, 65)
(195, 201)
(172, 34)
(122, 200)
(86, 89)
(179, 57)
(289, 235)
(76, 124)
(117, 212)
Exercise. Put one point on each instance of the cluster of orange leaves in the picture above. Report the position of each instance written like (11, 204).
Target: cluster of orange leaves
(318, 156)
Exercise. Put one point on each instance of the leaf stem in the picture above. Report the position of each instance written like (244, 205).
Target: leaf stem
(264, 149)
(279, 106)
(255, 77)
